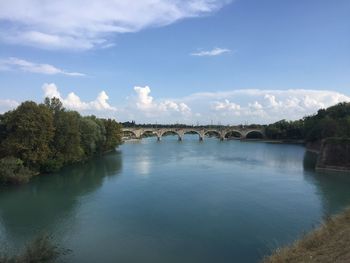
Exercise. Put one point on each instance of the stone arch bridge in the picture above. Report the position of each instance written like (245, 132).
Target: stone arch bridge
(220, 133)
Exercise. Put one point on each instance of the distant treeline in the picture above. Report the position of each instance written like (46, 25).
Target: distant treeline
(133, 124)
(39, 138)
(331, 122)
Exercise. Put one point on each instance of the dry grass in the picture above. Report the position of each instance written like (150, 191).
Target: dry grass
(40, 250)
(329, 243)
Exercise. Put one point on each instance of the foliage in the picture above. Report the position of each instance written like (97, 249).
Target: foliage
(285, 130)
(44, 137)
(113, 134)
(12, 171)
(40, 250)
(92, 135)
(331, 122)
(27, 132)
(66, 146)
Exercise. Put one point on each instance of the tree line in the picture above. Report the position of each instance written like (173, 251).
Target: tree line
(133, 124)
(42, 138)
(331, 122)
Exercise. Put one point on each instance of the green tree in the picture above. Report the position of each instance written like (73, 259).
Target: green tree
(28, 131)
(91, 135)
(54, 104)
(12, 171)
(113, 134)
(66, 147)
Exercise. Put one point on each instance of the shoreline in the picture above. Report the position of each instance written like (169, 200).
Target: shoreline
(329, 242)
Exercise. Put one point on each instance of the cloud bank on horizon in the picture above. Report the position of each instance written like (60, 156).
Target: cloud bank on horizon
(58, 25)
(227, 108)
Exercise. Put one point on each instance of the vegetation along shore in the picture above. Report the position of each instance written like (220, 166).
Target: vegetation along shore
(42, 138)
(327, 244)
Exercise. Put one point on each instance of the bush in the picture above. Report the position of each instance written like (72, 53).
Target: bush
(40, 250)
(12, 171)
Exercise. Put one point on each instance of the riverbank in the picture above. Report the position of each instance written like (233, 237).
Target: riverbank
(334, 155)
(329, 243)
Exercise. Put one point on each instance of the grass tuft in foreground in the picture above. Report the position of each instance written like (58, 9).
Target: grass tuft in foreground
(40, 250)
(329, 243)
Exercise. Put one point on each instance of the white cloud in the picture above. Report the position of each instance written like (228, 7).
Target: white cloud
(144, 100)
(13, 63)
(226, 105)
(146, 105)
(210, 53)
(66, 25)
(261, 106)
(271, 101)
(6, 105)
(73, 101)
(230, 107)
(255, 105)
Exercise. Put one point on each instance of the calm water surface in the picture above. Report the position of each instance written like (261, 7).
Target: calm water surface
(175, 201)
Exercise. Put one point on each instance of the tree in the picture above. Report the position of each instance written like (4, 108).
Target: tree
(12, 171)
(113, 134)
(54, 104)
(66, 147)
(28, 132)
(91, 135)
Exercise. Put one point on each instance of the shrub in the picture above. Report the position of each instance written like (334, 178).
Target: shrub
(12, 171)
(40, 250)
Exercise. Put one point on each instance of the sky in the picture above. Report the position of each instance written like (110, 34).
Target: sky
(177, 61)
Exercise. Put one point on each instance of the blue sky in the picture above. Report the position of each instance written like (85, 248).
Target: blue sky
(231, 62)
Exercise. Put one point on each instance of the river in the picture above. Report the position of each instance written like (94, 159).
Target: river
(174, 201)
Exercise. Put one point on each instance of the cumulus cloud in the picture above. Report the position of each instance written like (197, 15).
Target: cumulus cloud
(262, 106)
(144, 100)
(226, 105)
(145, 103)
(210, 53)
(58, 24)
(73, 101)
(230, 107)
(13, 63)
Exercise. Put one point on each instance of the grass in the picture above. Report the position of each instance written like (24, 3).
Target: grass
(327, 244)
(40, 250)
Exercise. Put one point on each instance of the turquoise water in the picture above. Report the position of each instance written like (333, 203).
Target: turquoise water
(173, 201)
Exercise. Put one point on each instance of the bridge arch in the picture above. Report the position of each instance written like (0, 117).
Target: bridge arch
(234, 133)
(169, 132)
(144, 132)
(254, 134)
(216, 132)
(128, 132)
(194, 132)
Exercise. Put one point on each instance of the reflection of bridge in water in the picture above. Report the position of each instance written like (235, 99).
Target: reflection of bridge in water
(221, 133)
